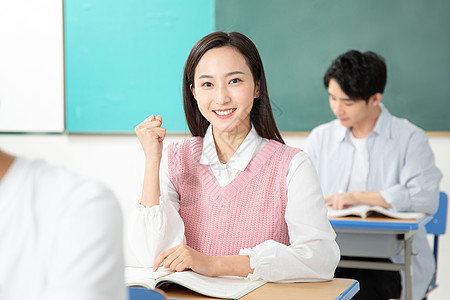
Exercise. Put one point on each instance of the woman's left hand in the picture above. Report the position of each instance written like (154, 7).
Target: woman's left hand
(183, 257)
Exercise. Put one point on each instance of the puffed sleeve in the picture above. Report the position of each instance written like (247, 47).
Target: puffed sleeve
(155, 229)
(313, 253)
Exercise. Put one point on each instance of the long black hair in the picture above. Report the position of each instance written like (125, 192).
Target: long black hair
(261, 114)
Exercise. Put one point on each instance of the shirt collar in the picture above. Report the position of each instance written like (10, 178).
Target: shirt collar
(241, 157)
(381, 128)
(340, 131)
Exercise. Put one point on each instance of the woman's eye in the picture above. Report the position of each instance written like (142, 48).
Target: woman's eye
(235, 80)
(207, 84)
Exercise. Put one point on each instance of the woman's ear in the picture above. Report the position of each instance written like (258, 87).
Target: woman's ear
(257, 90)
(193, 91)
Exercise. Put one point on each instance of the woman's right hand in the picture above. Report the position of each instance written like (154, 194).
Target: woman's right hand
(151, 136)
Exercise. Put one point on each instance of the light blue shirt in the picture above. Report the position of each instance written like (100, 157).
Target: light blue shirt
(401, 168)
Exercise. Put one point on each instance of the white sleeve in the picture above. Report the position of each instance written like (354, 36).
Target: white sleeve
(313, 253)
(155, 229)
(85, 255)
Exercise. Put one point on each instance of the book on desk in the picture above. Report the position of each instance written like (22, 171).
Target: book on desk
(227, 287)
(363, 211)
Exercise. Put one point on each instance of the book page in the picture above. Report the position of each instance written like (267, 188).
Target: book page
(364, 210)
(359, 210)
(398, 215)
(229, 287)
(144, 276)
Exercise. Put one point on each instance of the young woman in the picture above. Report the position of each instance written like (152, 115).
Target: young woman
(232, 200)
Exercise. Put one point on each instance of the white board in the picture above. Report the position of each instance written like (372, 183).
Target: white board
(31, 66)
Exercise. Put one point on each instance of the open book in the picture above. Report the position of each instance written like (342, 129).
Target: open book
(363, 211)
(228, 287)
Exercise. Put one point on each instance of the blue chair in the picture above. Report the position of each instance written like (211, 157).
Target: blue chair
(136, 293)
(437, 227)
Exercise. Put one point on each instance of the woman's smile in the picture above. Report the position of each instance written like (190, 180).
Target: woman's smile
(224, 113)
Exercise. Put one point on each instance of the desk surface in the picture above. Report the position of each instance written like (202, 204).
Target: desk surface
(338, 288)
(379, 222)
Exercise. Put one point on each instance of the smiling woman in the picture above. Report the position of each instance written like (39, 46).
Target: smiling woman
(244, 51)
(224, 89)
(232, 200)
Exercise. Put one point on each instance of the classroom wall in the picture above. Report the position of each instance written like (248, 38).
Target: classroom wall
(122, 59)
(31, 66)
(117, 161)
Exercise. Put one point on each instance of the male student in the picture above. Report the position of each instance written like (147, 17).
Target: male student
(369, 156)
(60, 235)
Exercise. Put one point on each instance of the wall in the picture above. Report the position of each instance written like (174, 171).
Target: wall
(118, 160)
(31, 66)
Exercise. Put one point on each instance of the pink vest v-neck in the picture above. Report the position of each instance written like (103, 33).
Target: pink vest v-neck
(246, 212)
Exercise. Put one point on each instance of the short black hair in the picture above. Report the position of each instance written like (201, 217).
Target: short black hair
(360, 75)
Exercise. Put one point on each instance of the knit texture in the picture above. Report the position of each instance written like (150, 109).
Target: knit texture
(246, 212)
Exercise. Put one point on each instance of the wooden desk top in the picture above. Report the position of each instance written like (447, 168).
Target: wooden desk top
(379, 222)
(376, 218)
(283, 291)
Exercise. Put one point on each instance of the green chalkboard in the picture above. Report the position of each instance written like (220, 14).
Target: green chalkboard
(298, 39)
(124, 61)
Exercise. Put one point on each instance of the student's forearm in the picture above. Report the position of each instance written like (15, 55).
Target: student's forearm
(151, 189)
(233, 265)
(371, 198)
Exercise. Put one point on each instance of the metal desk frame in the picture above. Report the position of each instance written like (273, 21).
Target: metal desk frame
(384, 228)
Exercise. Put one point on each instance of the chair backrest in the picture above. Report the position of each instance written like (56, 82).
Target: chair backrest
(437, 225)
(136, 293)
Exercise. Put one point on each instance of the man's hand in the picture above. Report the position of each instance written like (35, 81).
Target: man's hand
(342, 200)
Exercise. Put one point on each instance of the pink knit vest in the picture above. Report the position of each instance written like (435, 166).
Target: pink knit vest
(246, 212)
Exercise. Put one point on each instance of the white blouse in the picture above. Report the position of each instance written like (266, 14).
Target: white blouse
(312, 254)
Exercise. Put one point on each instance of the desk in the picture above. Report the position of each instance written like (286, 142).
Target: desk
(338, 288)
(379, 237)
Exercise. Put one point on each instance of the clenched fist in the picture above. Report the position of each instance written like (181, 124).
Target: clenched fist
(151, 136)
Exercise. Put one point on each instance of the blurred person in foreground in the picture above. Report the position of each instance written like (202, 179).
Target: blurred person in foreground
(60, 235)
